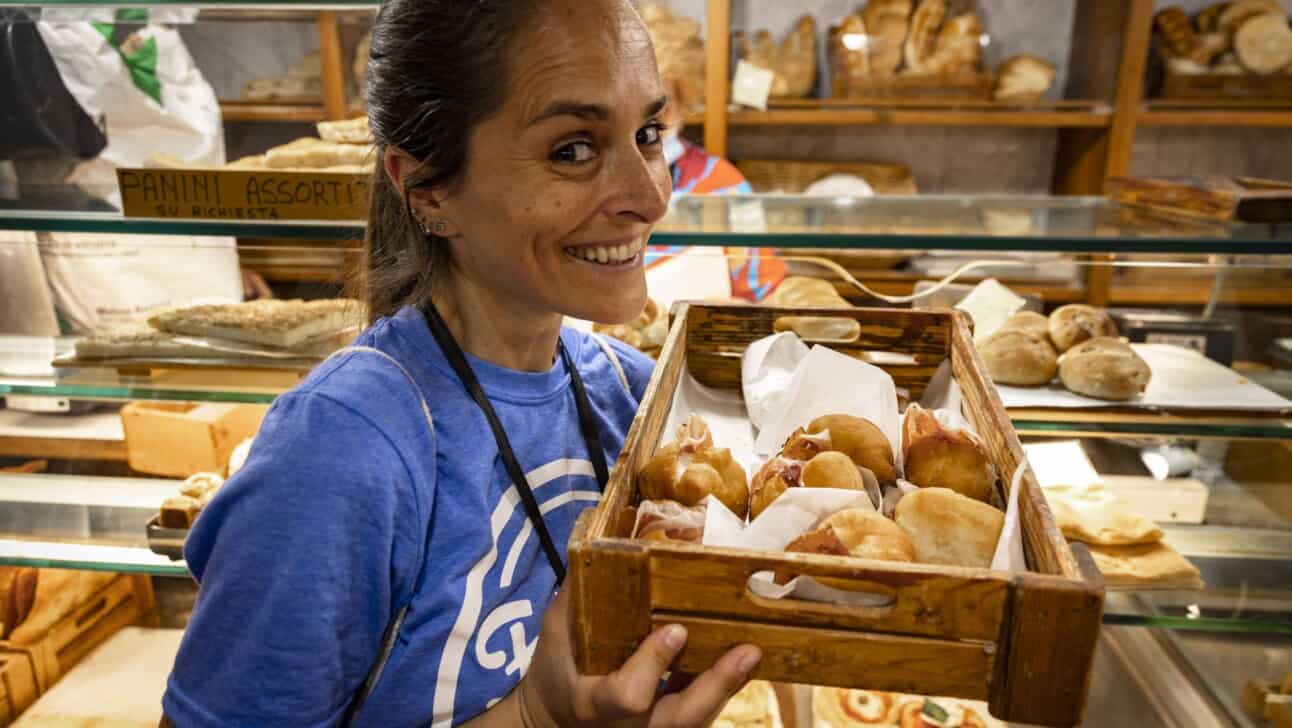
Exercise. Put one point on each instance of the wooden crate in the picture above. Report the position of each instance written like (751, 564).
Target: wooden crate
(17, 685)
(123, 601)
(1226, 86)
(1024, 642)
(966, 85)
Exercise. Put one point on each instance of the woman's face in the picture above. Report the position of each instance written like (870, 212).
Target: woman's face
(564, 183)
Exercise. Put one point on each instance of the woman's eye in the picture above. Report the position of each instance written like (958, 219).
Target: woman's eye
(574, 153)
(652, 134)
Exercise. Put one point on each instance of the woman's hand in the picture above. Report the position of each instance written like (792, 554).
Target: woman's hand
(553, 693)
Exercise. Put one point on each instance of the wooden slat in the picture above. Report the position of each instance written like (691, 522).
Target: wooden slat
(1233, 118)
(1130, 85)
(929, 117)
(941, 103)
(841, 658)
(611, 601)
(928, 601)
(717, 75)
(331, 65)
(1053, 629)
(235, 111)
(56, 448)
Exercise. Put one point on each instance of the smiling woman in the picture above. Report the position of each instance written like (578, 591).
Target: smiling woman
(391, 551)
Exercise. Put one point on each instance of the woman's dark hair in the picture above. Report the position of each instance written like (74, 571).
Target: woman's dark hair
(436, 69)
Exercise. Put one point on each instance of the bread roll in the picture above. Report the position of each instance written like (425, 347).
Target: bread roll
(959, 45)
(1076, 322)
(1024, 77)
(804, 446)
(843, 708)
(1014, 356)
(887, 21)
(823, 328)
(1034, 323)
(1264, 43)
(938, 457)
(1104, 368)
(868, 535)
(832, 470)
(848, 55)
(949, 528)
(860, 440)
(921, 39)
(1177, 32)
(179, 511)
(691, 468)
(1208, 21)
(806, 291)
(1233, 17)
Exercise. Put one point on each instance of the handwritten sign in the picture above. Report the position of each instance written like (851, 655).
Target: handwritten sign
(242, 194)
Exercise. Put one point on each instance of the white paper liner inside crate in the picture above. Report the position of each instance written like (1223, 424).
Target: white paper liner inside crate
(787, 384)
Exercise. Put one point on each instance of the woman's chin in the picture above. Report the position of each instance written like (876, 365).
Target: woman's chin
(616, 307)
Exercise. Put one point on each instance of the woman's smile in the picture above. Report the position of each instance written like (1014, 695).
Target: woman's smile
(619, 254)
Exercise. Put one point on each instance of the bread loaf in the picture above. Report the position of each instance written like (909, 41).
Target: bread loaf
(1076, 322)
(887, 21)
(1233, 17)
(848, 54)
(1264, 43)
(1015, 356)
(949, 528)
(1024, 77)
(959, 45)
(939, 457)
(921, 39)
(1034, 323)
(1104, 368)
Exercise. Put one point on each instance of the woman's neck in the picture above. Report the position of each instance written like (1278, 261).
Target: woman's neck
(495, 329)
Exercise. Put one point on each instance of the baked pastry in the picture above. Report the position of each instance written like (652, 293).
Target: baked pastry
(832, 470)
(691, 468)
(1076, 322)
(1024, 77)
(179, 511)
(843, 708)
(827, 328)
(268, 322)
(1093, 514)
(669, 521)
(1264, 43)
(310, 153)
(1233, 17)
(1148, 565)
(349, 131)
(198, 483)
(887, 21)
(1032, 322)
(754, 706)
(1177, 33)
(949, 528)
(849, 55)
(861, 440)
(1278, 711)
(860, 532)
(959, 45)
(1208, 20)
(1104, 368)
(1015, 356)
(921, 38)
(938, 713)
(938, 457)
(790, 469)
(645, 333)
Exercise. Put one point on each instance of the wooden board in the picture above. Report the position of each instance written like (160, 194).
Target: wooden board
(1231, 199)
(969, 633)
(1221, 86)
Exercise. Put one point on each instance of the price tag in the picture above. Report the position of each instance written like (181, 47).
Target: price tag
(752, 85)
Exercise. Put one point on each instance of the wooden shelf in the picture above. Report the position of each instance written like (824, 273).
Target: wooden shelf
(241, 111)
(902, 283)
(987, 116)
(55, 448)
(1235, 117)
(1118, 422)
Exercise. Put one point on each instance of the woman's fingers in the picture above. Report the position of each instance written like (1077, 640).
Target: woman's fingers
(630, 690)
(705, 697)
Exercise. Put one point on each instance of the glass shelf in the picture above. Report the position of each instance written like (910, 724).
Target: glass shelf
(1033, 223)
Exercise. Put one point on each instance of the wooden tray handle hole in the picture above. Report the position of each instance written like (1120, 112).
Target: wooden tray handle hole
(91, 611)
(839, 595)
(820, 329)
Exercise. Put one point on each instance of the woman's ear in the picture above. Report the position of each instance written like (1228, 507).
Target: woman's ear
(426, 209)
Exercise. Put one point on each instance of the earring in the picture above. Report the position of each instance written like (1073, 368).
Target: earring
(440, 227)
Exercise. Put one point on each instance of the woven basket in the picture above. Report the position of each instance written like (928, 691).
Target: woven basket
(793, 177)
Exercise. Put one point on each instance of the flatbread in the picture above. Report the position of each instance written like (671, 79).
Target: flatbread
(350, 131)
(1093, 514)
(273, 322)
(311, 153)
(1145, 566)
(753, 707)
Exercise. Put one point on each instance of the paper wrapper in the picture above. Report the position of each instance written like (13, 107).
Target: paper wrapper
(785, 386)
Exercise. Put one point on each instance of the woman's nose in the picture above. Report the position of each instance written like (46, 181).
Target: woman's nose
(639, 187)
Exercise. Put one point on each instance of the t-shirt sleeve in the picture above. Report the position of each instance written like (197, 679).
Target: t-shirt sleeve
(637, 366)
(303, 558)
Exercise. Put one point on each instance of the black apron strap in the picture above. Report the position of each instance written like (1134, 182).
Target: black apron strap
(587, 423)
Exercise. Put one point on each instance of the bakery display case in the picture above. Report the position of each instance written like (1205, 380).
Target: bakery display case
(925, 177)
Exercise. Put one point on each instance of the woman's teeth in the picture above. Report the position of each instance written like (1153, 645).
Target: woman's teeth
(605, 255)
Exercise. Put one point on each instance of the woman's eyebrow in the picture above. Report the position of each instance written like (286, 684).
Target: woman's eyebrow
(590, 112)
(656, 106)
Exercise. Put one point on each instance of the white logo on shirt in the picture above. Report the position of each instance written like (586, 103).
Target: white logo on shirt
(522, 650)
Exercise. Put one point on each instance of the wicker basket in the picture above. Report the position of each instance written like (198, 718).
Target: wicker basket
(775, 175)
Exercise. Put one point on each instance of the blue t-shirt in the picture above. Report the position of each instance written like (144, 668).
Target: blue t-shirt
(309, 551)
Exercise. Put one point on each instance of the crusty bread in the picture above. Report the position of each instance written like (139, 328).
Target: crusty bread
(887, 21)
(1032, 322)
(1264, 43)
(861, 440)
(949, 528)
(940, 457)
(959, 45)
(1150, 565)
(1024, 77)
(270, 322)
(310, 153)
(1015, 356)
(179, 511)
(1076, 322)
(1104, 368)
(922, 37)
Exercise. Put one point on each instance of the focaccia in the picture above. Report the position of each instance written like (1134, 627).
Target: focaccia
(1145, 566)
(270, 322)
(1093, 514)
(310, 153)
(350, 131)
